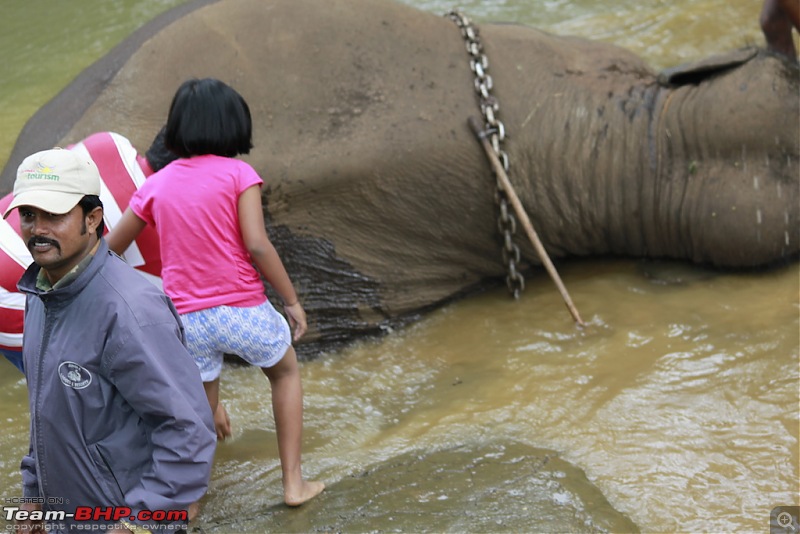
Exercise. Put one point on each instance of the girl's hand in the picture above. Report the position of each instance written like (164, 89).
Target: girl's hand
(297, 319)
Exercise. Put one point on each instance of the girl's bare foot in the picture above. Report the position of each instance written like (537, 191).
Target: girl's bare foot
(307, 491)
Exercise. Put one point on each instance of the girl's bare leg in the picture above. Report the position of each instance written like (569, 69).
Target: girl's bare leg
(287, 408)
(222, 423)
(212, 393)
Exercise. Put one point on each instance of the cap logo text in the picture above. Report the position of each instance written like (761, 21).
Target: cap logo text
(41, 172)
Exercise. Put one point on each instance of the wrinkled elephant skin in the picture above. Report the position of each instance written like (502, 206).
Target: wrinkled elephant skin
(377, 194)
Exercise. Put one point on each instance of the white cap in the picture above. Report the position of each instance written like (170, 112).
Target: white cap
(54, 181)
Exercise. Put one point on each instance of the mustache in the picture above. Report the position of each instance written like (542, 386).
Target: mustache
(42, 240)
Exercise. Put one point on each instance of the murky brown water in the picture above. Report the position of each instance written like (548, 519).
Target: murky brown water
(676, 409)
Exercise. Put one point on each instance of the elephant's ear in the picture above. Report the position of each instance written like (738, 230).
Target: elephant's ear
(694, 73)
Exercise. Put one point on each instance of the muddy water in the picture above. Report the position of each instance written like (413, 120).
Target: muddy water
(678, 403)
(676, 409)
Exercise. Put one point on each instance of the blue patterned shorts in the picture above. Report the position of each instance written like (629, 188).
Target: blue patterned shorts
(259, 335)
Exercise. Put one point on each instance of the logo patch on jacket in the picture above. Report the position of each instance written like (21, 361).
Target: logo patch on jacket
(73, 375)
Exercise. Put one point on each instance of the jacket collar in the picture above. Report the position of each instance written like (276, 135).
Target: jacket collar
(27, 284)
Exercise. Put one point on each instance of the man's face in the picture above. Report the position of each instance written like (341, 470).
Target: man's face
(58, 242)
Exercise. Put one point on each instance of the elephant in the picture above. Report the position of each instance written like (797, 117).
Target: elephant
(381, 200)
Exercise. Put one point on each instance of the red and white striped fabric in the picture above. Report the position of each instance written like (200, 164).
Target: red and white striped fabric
(121, 171)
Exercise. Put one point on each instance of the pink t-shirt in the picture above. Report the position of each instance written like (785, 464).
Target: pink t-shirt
(194, 206)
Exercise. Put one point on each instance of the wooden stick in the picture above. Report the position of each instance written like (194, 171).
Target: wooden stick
(505, 184)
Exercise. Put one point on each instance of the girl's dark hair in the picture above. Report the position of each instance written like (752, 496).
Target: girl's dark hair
(158, 155)
(208, 117)
(87, 204)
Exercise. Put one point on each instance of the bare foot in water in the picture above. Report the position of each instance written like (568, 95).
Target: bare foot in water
(308, 490)
(222, 423)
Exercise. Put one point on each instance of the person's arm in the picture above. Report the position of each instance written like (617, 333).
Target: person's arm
(124, 232)
(777, 19)
(266, 258)
(158, 378)
(792, 10)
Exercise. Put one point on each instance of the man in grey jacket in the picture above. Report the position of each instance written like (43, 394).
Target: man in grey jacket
(121, 431)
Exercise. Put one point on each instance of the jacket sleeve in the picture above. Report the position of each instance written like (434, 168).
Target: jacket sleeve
(159, 379)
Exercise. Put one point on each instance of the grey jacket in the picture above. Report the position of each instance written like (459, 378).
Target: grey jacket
(119, 416)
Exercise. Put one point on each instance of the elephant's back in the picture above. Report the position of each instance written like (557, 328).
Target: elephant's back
(320, 77)
(314, 73)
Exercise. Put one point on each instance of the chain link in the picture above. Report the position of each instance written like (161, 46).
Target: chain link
(496, 133)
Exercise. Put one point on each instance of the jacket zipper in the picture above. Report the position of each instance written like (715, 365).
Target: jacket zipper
(40, 474)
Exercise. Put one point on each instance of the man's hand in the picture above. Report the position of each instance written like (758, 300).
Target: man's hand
(29, 525)
(124, 526)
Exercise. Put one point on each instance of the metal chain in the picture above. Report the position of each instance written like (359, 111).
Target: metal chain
(496, 133)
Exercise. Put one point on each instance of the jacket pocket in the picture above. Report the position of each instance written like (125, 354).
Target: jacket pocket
(106, 478)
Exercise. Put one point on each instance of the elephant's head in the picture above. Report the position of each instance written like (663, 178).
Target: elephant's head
(728, 140)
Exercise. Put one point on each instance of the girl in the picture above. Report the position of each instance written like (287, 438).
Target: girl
(206, 208)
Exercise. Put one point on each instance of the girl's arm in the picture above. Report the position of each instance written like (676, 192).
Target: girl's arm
(124, 232)
(251, 222)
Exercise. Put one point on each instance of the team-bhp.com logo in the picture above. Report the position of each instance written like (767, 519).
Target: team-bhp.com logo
(95, 513)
